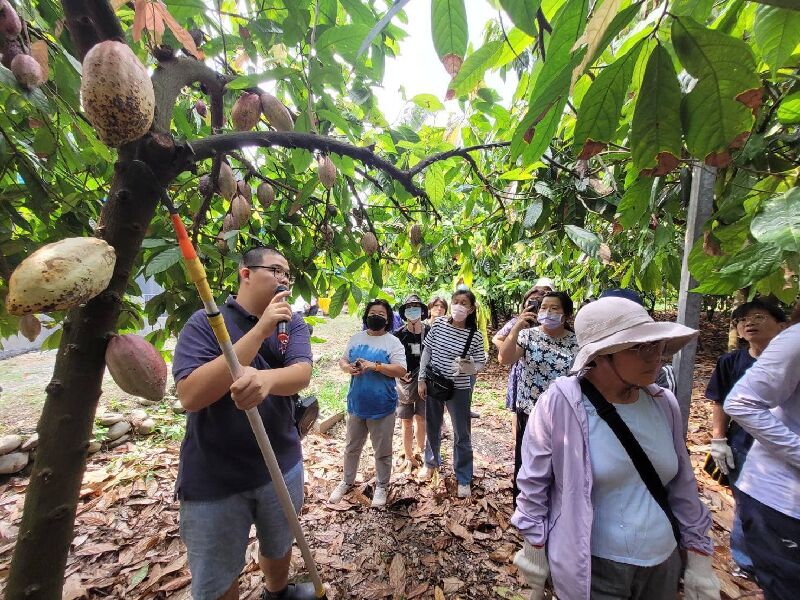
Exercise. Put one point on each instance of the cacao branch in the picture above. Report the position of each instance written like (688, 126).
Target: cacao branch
(462, 152)
(172, 75)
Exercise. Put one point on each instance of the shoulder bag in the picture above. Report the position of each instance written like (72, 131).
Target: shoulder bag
(439, 386)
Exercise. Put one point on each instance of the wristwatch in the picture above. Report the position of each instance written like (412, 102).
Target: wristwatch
(377, 366)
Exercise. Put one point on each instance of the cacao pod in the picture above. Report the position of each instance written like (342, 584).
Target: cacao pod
(204, 186)
(327, 234)
(27, 71)
(265, 194)
(222, 245)
(136, 366)
(331, 210)
(326, 171)
(10, 24)
(229, 223)
(30, 327)
(60, 275)
(244, 190)
(241, 210)
(201, 108)
(226, 182)
(415, 234)
(246, 112)
(369, 243)
(117, 93)
(277, 114)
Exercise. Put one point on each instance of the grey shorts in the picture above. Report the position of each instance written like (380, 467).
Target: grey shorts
(216, 533)
(409, 410)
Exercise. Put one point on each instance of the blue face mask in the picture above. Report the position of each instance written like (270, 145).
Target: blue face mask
(414, 313)
(550, 320)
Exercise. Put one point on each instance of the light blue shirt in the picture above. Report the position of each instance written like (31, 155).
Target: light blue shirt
(628, 525)
(766, 403)
(373, 395)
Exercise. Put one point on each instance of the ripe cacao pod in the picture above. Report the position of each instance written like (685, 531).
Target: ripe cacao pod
(10, 24)
(136, 366)
(415, 234)
(369, 243)
(326, 171)
(201, 108)
(241, 210)
(246, 112)
(27, 71)
(30, 327)
(204, 186)
(277, 114)
(265, 194)
(226, 182)
(229, 223)
(117, 93)
(244, 190)
(60, 275)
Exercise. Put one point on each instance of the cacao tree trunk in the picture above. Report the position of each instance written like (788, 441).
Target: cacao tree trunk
(46, 531)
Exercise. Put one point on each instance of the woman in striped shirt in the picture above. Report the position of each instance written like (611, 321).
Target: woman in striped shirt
(453, 354)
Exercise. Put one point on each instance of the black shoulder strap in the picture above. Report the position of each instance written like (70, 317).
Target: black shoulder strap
(647, 472)
(245, 324)
(468, 344)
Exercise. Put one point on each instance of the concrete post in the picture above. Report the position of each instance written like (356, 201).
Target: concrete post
(701, 205)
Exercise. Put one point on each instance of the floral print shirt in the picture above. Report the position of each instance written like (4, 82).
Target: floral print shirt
(545, 359)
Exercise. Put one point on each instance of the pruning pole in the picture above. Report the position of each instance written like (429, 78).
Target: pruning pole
(197, 274)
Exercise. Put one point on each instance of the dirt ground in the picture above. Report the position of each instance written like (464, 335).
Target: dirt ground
(425, 544)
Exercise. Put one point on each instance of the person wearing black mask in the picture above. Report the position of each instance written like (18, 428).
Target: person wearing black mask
(373, 358)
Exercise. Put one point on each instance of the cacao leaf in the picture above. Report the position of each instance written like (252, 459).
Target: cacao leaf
(714, 119)
(587, 241)
(778, 221)
(655, 128)
(516, 42)
(634, 203)
(697, 9)
(793, 4)
(471, 72)
(777, 34)
(338, 300)
(594, 34)
(343, 39)
(380, 25)
(600, 110)
(522, 14)
(163, 261)
(449, 27)
(789, 109)
(532, 213)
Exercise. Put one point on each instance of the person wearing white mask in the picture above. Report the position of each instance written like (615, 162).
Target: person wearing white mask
(411, 407)
(453, 354)
(544, 353)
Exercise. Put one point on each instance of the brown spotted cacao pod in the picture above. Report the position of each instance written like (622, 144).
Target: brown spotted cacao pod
(369, 243)
(246, 112)
(415, 234)
(265, 194)
(30, 327)
(204, 186)
(226, 182)
(10, 24)
(117, 93)
(244, 190)
(201, 108)
(326, 171)
(277, 114)
(327, 234)
(27, 71)
(60, 275)
(136, 366)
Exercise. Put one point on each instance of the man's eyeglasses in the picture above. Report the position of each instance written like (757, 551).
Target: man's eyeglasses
(755, 319)
(649, 349)
(277, 272)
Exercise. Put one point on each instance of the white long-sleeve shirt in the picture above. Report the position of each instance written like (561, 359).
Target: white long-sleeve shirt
(766, 403)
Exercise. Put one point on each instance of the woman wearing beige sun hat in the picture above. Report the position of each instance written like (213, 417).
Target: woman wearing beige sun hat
(601, 523)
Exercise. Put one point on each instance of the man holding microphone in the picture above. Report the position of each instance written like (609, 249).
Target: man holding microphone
(223, 484)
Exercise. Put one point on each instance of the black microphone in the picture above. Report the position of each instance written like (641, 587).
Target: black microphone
(283, 326)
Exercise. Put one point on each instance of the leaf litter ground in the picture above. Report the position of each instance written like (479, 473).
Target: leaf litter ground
(426, 543)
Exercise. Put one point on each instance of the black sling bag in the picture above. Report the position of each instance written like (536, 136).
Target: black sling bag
(607, 412)
(439, 386)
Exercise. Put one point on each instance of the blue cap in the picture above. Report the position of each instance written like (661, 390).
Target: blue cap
(626, 293)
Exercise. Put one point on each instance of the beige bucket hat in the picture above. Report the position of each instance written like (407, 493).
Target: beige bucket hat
(612, 324)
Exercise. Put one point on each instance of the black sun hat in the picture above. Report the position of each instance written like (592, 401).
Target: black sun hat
(413, 299)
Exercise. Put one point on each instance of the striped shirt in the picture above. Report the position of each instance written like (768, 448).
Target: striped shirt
(444, 344)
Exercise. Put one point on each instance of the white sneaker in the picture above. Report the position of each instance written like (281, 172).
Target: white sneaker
(464, 490)
(426, 473)
(339, 492)
(379, 497)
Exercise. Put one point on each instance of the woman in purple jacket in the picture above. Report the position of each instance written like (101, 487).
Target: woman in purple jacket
(587, 517)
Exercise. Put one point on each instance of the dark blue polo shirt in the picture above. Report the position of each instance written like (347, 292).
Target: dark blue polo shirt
(219, 455)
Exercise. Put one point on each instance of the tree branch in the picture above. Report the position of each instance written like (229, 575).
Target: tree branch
(462, 152)
(391, 198)
(172, 75)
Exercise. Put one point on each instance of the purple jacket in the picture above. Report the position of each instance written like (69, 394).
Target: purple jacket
(554, 506)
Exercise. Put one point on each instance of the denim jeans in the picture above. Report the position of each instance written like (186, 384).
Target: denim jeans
(459, 408)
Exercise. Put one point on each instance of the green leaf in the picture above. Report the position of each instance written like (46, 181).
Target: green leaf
(595, 33)
(523, 14)
(343, 39)
(380, 25)
(714, 119)
(656, 124)
(697, 9)
(634, 203)
(138, 576)
(471, 72)
(533, 212)
(789, 109)
(163, 261)
(428, 102)
(244, 82)
(449, 24)
(778, 222)
(777, 33)
(338, 300)
(599, 112)
(749, 265)
(434, 183)
(587, 241)
(622, 19)
(781, 3)
(357, 264)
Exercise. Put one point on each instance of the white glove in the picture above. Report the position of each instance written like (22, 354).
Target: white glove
(699, 580)
(464, 366)
(723, 455)
(532, 562)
